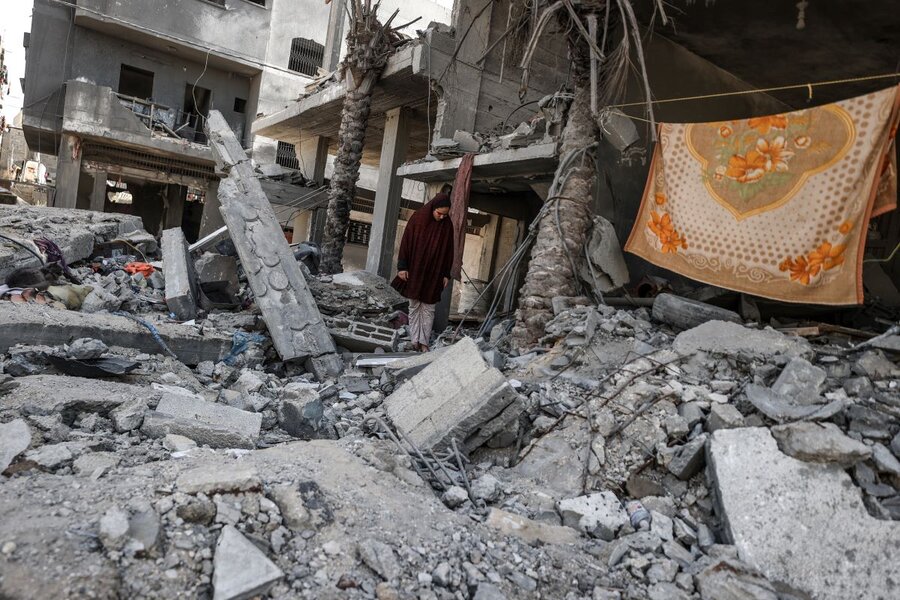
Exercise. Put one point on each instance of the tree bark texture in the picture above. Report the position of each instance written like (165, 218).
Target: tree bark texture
(550, 271)
(351, 137)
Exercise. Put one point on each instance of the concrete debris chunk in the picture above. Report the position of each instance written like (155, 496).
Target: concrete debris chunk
(281, 292)
(885, 461)
(302, 416)
(217, 272)
(876, 366)
(529, 530)
(215, 425)
(95, 464)
(30, 322)
(379, 557)
(241, 571)
(600, 515)
(357, 336)
(129, 415)
(86, 349)
(819, 442)
(816, 507)
(801, 381)
(50, 456)
(688, 459)
(457, 396)
(15, 437)
(290, 503)
(210, 480)
(723, 416)
(723, 337)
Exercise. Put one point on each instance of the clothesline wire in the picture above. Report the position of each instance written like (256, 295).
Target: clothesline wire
(779, 88)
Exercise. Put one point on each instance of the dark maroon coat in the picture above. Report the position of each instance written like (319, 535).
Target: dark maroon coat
(426, 252)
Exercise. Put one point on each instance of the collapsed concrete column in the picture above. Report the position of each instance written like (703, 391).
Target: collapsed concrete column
(98, 195)
(380, 257)
(317, 219)
(281, 292)
(334, 37)
(68, 171)
(181, 292)
(211, 220)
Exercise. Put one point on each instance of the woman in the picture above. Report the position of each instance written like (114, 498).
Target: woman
(424, 261)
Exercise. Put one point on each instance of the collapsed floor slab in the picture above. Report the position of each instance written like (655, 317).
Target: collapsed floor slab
(281, 292)
(826, 544)
(458, 396)
(215, 425)
(37, 324)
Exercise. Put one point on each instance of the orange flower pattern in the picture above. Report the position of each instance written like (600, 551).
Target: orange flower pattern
(775, 153)
(747, 168)
(764, 124)
(661, 225)
(804, 269)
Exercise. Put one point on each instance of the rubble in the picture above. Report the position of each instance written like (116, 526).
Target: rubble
(816, 507)
(14, 439)
(182, 413)
(819, 442)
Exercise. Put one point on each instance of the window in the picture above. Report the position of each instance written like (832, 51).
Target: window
(359, 233)
(260, 2)
(135, 82)
(286, 156)
(306, 56)
(196, 108)
(240, 105)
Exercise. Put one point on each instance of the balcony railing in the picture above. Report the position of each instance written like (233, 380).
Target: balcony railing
(172, 122)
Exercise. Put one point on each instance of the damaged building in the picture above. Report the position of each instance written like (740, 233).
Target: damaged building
(669, 368)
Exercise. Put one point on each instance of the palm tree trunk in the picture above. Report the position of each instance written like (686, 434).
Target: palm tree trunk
(550, 271)
(354, 121)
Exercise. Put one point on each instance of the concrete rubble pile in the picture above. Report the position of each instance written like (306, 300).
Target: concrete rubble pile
(208, 465)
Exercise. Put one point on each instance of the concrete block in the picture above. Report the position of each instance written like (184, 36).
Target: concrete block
(357, 336)
(689, 458)
(827, 544)
(723, 416)
(240, 569)
(42, 325)
(68, 396)
(204, 422)
(282, 294)
(457, 396)
(302, 417)
(181, 281)
(600, 515)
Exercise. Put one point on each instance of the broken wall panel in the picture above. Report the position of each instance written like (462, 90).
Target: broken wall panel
(283, 296)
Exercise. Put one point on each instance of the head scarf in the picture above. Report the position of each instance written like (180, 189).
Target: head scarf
(426, 253)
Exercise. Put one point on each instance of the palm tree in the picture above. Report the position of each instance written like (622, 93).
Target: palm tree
(369, 45)
(566, 219)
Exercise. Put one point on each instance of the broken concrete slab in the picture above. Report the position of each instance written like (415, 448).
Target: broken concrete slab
(723, 416)
(819, 442)
(43, 325)
(604, 252)
(215, 425)
(405, 368)
(281, 292)
(723, 337)
(379, 557)
(240, 569)
(302, 416)
(181, 280)
(827, 544)
(783, 408)
(72, 395)
(457, 396)
(15, 437)
(529, 530)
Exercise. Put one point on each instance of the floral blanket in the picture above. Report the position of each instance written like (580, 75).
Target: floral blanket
(774, 206)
